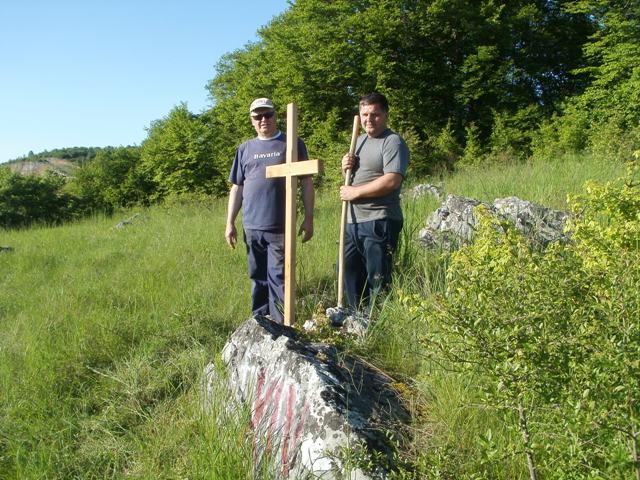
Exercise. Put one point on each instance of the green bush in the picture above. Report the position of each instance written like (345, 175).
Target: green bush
(446, 148)
(554, 335)
(112, 180)
(613, 140)
(28, 199)
(511, 134)
(422, 162)
(329, 141)
(473, 153)
(178, 156)
(561, 134)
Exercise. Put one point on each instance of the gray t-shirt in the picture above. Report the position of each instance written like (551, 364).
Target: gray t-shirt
(263, 199)
(387, 153)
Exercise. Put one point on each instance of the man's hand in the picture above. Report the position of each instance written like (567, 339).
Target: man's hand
(306, 229)
(235, 203)
(231, 235)
(348, 193)
(348, 162)
(379, 187)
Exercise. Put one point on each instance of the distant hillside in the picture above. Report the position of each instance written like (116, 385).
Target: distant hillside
(40, 166)
(61, 160)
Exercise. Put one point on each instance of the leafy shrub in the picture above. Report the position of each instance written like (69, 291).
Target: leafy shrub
(329, 141)
(113, 179)
(511, 134)
(613, 140)
(422, 158)
(446, 148)
(178, 156)
(577, 131)
(473, 154)
(554, 335)
(561, 134)
(28, 199)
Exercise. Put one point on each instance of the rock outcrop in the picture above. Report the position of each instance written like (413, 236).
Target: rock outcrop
(310, 404)
(544, 224)
(425, 189)
(454, 223)
(125, 223)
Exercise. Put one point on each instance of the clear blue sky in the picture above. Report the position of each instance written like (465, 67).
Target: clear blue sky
(95, 73)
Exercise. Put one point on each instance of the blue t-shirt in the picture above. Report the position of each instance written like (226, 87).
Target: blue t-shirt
(263, 199)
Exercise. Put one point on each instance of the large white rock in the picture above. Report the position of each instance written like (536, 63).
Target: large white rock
(454, 223)
(310, 404)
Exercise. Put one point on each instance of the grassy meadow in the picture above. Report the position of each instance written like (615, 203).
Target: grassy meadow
(106, 332)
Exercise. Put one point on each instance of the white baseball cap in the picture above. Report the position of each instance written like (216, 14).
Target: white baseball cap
(261, 103)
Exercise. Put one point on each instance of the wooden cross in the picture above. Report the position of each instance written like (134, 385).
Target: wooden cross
(291, 170)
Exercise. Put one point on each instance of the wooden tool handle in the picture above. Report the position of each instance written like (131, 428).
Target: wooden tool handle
(343, 217)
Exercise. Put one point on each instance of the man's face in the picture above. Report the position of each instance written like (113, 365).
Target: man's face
(264, 121)
(373, 119)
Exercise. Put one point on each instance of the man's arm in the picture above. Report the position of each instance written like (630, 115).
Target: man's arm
(308, 200)
(233, 207)
(379, 187)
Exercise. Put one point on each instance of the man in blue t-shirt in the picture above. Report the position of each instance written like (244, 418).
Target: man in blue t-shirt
(374, 215)
(263, 205)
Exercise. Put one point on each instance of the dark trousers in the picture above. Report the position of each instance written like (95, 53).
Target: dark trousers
(265, 255)
(368, 259)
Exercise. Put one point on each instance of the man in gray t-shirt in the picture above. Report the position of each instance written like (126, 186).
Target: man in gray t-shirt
(263, 204)
(374, 214)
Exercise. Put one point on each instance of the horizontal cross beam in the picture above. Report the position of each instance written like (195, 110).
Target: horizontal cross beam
(294, 169)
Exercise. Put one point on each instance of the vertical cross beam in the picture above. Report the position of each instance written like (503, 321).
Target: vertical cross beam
(291, 170)
(290, 222)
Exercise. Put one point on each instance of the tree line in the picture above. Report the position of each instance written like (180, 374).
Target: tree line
(75, 154)
(469, 82)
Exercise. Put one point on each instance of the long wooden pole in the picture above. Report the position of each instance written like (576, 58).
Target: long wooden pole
(343, 217)
(290, 215)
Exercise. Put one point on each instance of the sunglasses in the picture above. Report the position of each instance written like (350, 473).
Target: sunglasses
(260, 116)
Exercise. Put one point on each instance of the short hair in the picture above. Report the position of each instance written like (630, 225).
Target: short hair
(377, 98)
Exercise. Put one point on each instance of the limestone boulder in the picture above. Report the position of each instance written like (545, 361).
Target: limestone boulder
(311, 404)
(454, 223)
(425, 189)
(536, 221)
(127, 222)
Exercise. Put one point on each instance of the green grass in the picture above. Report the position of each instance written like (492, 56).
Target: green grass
(547, 183)
(106, 333)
